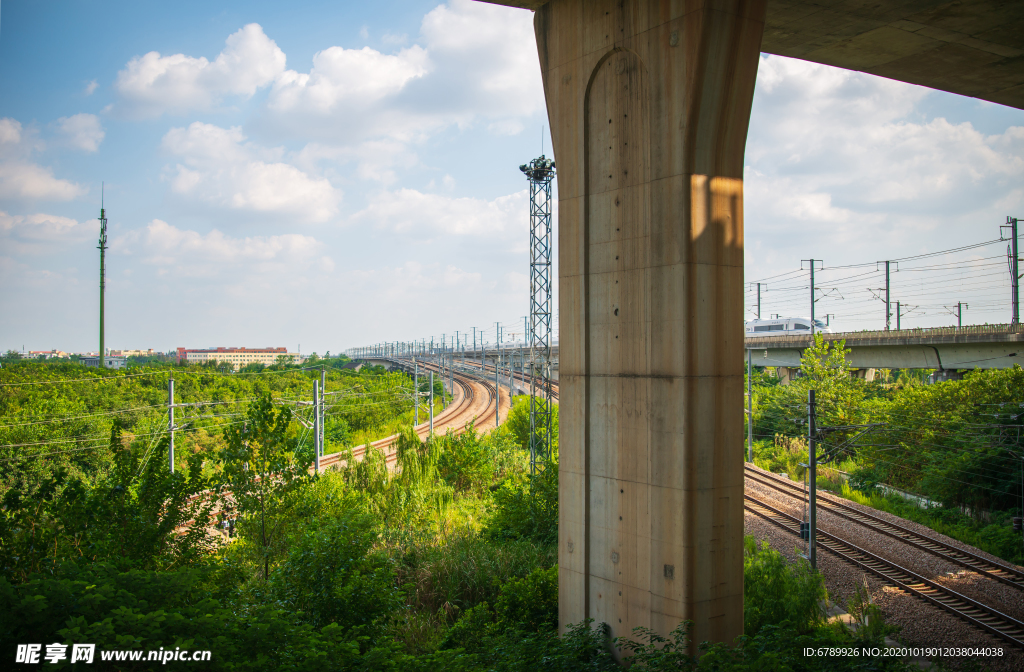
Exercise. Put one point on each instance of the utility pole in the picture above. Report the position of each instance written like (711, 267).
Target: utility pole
(812, 261)
(960, 313)
(170, 420)
(316, 426)
(416, 390)
(812, 479)
(759, 297)
(1013, 262)
(497, 394)
(497, 338)
(888, 306)
(323, 412)
(750, 407)
(103, 281)
(431, 404)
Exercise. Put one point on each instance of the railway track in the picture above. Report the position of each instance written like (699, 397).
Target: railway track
(521, 377)
(972, 561)
(475, 399)
(977, 614)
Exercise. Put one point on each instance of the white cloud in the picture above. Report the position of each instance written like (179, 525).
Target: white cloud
(218, 166)
(851, 168)
(91, 87)
(347, 76)
(830, 146)
(423, 215)
(475, 61)
(152, 84)
(82, 131)
(375, 160)
(10, 131)
(41, 233)
(195, 254)
(29, 181)
(20, 178)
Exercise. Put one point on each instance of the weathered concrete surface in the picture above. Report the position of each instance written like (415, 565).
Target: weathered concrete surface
(971, 47)
(649, 104)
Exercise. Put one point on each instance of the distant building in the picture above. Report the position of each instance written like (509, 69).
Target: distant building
(237, 357)
(45, 354)
(110, 362)
(133, 353)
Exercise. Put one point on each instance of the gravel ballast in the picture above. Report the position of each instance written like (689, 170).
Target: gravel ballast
(921, 624)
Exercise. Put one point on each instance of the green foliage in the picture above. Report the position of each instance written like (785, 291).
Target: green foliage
(464, 462)
(524, 606)
(261, 470)
(440, 556)
(150, 609)
(132, 516)
(526, 507)
(530, 603)
(464, 570)
(782, 409)
(518, 422)
(957, 442)
(777, 593)
(332, 575)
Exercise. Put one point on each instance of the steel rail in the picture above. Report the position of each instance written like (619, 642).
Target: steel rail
(449, 415)
(522, 377)
(972, 561)
(977, 614)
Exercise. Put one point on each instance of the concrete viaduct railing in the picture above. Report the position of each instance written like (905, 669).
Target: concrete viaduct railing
(946, 349)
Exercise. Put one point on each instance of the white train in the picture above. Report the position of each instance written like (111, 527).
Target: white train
(784, 326)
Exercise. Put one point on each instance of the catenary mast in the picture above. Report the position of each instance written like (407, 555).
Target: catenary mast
(540, 172)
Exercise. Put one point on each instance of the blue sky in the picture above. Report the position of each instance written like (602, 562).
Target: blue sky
(333, 174)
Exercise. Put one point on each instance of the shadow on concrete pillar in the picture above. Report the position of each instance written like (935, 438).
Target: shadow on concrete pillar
(649, 104)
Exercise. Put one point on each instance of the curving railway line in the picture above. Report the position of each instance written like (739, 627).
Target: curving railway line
(472, 399)
(975, 613)
(521, 377)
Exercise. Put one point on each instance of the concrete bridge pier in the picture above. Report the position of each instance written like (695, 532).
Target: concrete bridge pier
(649, 104)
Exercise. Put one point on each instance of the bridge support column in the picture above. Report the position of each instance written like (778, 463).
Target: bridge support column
(649, 103)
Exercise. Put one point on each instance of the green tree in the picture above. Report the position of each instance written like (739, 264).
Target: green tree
(825, 371)
(332, 575)
(261, 469)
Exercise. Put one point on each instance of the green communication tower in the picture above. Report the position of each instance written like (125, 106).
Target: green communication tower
(103, 273)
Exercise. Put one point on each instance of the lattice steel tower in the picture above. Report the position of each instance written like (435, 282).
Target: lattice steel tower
(540, 172)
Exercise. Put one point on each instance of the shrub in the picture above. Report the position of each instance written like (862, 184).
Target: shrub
(331, 576)
(778, 593)
(527, 507)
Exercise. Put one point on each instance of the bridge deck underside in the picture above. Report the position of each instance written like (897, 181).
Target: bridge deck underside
(970, 47)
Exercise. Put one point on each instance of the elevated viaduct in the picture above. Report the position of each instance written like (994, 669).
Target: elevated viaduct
(649, 103)
(948, 350)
